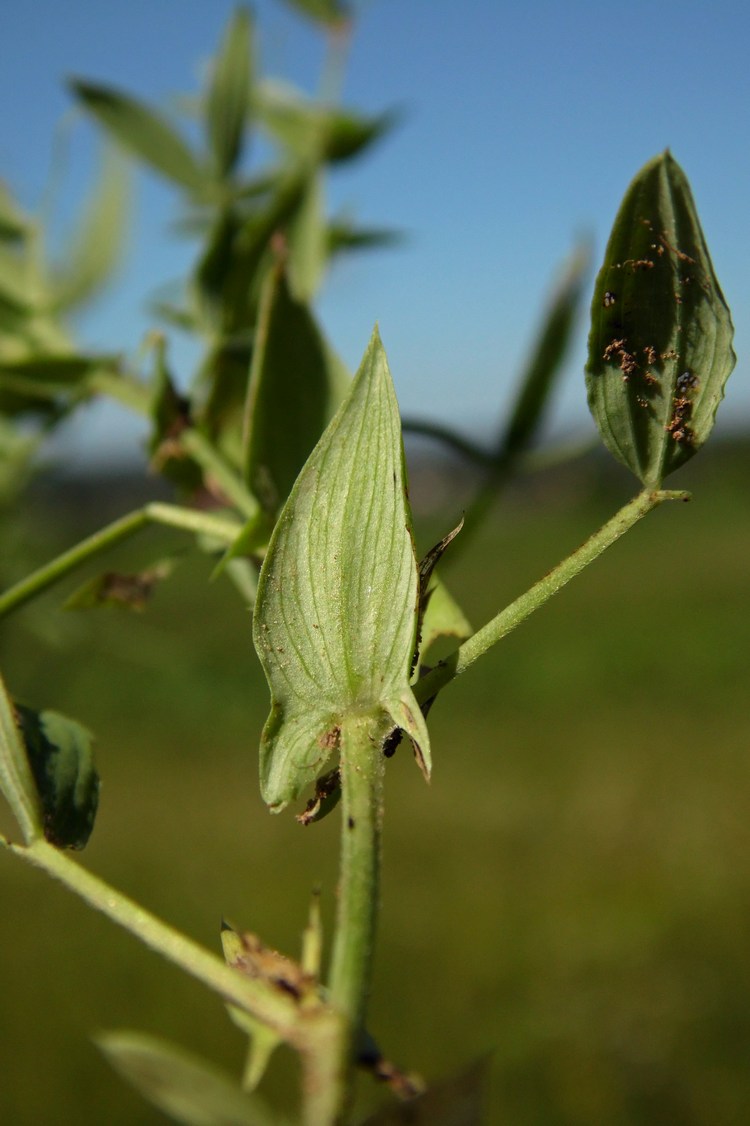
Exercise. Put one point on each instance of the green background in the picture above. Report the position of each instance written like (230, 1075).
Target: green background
(571, 894)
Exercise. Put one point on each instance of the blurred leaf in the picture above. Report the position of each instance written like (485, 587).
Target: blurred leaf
(348, 135)
(458, 1101)
(660, 347)
(143, 131)
(170, 417)
(545, 364)
(59, 753)
(228, 277)
(294, 390)
(228, 97)
(251, 540)
(336, 611)
(42, 384)
(14, 227)
(315, 132)
(185, 1087)
(114, 588)
(16, 776)
(331, 13)
(343, 235)
(308, 241)
(97, 245)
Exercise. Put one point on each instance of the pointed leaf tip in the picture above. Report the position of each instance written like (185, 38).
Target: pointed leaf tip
(336, 614)
(660, 347)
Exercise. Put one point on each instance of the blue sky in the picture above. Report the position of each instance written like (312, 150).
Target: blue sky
(522, 126)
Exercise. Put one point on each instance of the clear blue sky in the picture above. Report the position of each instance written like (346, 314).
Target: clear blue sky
(523, 124)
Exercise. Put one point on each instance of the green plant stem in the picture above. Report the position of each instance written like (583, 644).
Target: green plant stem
(362, 773)
(223, 474)
(512, 616)
(170, 515)
(267, 1004)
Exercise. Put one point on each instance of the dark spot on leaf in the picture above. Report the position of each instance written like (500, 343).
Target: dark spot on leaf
(350, 823)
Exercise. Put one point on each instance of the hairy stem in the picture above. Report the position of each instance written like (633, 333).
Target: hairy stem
(512, 616)
(170, 515)
(362, 766)
(270, 1006)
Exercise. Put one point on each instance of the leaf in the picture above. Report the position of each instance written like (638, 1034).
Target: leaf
(16, 778)
(331, 13)
(343, 236)
(143, 132)
(263, 1040)
(336, 612)
(545, 363)
(228, 99)
(96, 247)
(443, 617)
(42, 384)
(294, 390)
(115, 588)
(14, 228)
(170, 417)
(660, 347)
(185, 1087)
(308, 240)
(227, 279)
(59, 754)
(313, 131)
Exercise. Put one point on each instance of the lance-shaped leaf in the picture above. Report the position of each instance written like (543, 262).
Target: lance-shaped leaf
(228, 97)
(336, 613)
(660, 347)
(295, 388)
(143, 131)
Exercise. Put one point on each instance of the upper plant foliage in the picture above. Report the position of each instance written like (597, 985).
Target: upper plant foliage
(660, 348)
(336, 613)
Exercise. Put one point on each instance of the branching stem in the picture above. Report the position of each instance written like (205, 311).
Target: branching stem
(512, 616)
(170, 515)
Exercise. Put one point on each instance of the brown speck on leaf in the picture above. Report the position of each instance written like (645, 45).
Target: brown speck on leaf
(330, 739)
(350, 823)
(673, 250)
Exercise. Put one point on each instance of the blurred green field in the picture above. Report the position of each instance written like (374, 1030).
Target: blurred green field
(571, 894)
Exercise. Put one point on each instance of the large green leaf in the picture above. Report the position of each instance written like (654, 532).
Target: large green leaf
(336, 612)
(228, 97)
(143, 131)
(59, 754)
(660, 347)
(295, 389)
(185, 1087)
